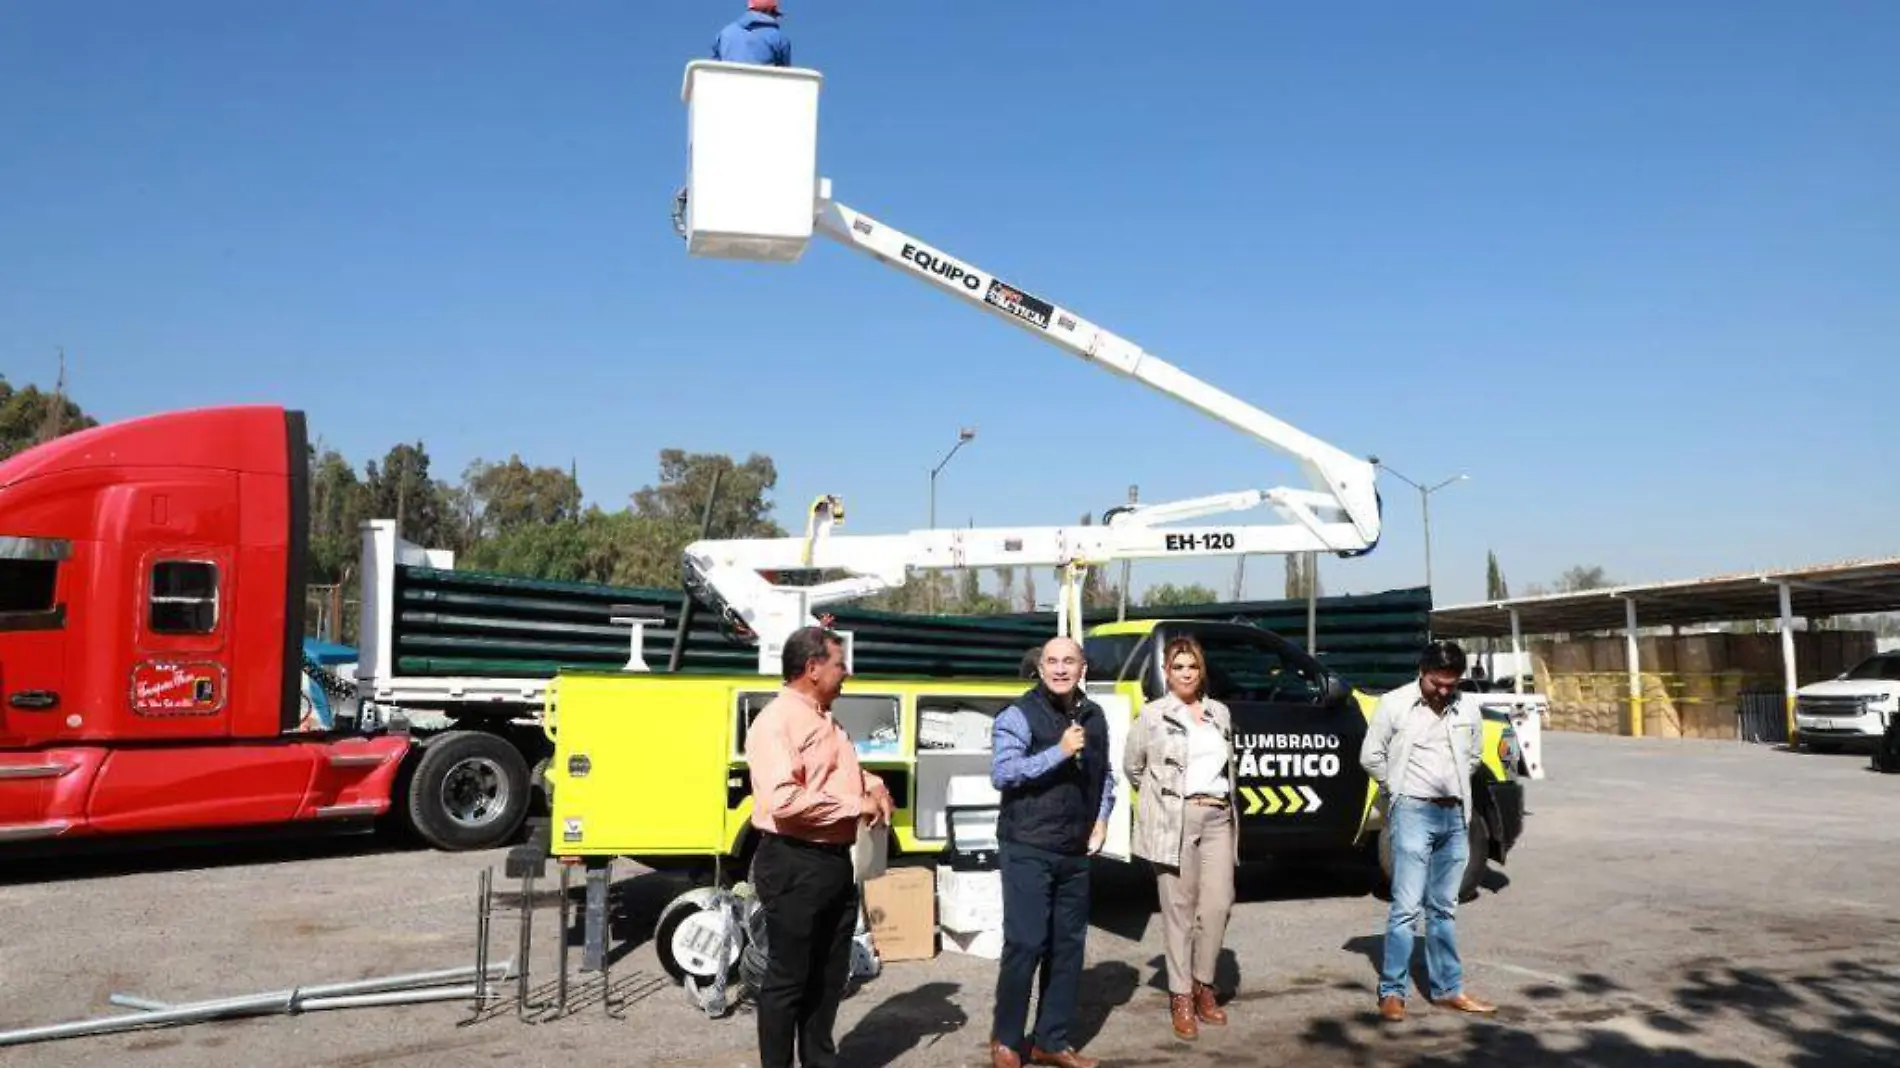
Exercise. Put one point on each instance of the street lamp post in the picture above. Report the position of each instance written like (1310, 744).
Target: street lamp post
(964, 435)
(1425, 506)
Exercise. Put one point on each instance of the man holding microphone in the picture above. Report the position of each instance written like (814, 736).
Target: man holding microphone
(1050, 762)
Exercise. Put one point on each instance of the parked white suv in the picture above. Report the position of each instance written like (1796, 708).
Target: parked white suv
(1855, 707)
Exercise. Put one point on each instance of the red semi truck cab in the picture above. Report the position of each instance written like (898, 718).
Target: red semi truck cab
(151, 628)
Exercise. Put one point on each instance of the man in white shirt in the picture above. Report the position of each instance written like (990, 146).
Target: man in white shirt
(1422, 747)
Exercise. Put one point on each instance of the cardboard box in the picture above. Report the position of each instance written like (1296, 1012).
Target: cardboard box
(901, 908)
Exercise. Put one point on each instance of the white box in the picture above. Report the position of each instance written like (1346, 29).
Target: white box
(969, 902)
(987, 944)
(751, 159)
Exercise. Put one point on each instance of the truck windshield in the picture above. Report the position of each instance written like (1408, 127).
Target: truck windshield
(1241, 667)
(1877, 667)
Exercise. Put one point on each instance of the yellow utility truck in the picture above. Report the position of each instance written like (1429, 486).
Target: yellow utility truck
(651, 767)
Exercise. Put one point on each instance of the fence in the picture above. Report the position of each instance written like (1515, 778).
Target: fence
(1762, 716)
(476, 623)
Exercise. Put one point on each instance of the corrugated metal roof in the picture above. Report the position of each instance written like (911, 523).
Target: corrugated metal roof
(1847, 586)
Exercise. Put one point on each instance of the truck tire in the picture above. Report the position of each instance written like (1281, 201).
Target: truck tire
(469, 791)
(1479, 859)
(1476, 863)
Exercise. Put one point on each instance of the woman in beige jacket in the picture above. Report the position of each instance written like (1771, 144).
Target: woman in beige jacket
(1180, 758)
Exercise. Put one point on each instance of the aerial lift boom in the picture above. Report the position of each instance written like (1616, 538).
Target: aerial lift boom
(752, 193)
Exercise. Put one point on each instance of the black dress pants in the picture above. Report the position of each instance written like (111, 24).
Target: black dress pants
(1045, 926)
(810, 898)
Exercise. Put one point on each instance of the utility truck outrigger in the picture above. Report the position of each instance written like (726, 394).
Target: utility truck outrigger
(653, 767)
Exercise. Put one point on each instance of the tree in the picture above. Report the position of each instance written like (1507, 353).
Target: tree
(29, 417)
(500, 496)
(1300, 583)
(338, 505)
(1494, 587)
(1097, 591)
(401, 489)
(1168, 595)
(744, 504)
(1006, 587)
(1582, 578)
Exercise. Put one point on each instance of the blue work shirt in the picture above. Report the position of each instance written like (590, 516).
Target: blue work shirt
(755, 37)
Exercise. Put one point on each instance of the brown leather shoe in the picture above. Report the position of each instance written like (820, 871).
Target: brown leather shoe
(1392, 1008)
(1068, 1058)
(1206, 1007)
(1002, 1056)
(1181, 1009)
(1465, 1003)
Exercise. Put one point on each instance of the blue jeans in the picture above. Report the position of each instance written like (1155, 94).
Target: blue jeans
(1429, 849)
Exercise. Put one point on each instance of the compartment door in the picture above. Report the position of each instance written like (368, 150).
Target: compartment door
(640, 766)
(1120, 710)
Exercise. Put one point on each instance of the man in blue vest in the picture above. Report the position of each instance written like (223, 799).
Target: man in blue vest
(755, 37)
(1049, 760)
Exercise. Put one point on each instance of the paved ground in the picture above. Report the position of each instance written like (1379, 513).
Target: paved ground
(1673, 905)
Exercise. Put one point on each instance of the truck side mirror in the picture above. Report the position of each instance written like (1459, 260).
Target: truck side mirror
(1336, 690)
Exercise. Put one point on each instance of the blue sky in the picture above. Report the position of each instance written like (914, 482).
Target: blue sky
(1633, 266)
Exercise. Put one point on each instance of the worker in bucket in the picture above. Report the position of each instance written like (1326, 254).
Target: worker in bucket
(1423, 745)
(1049, 760)
(809, 799)
(755, 37)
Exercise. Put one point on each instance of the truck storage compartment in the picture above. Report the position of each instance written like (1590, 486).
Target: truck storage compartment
(953, 758)
(640, 765)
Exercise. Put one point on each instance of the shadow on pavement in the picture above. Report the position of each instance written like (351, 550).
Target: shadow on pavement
(1835, 1014)
(913, 1020)
(104, 857)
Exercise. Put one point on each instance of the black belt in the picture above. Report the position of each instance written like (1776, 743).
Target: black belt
(836, 849)
(1441, 802)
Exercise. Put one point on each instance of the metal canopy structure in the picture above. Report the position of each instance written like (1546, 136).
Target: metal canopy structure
(1816, 591)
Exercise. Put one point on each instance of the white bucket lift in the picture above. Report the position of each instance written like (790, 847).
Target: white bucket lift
(752, 160)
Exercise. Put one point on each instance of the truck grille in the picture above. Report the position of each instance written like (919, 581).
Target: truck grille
(1831, 706)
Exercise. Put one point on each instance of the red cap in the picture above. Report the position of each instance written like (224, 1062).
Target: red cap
(761, 5)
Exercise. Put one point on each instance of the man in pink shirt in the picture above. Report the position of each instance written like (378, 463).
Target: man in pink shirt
(809, 797)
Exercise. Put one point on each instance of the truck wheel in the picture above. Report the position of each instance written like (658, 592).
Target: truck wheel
(469, 791)
(1478, 860)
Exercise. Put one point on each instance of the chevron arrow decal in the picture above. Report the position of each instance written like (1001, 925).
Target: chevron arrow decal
(1278, 800)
